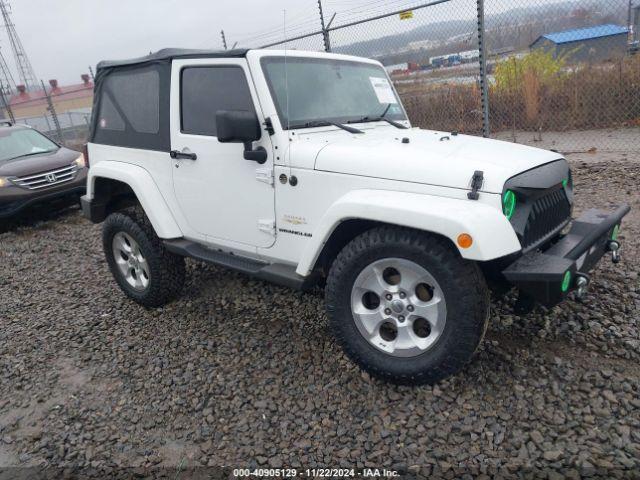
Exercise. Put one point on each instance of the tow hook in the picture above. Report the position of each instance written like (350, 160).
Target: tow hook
(582, 282)
(614, 248)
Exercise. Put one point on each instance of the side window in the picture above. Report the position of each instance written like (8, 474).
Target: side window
(109, 118)
(131, 98)
(205, 90)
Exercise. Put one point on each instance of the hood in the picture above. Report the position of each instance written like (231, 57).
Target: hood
(33, 164)
(419, 156)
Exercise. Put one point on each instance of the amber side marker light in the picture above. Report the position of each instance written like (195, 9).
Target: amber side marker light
(465, 240)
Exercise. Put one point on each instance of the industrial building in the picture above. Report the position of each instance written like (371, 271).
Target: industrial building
(592, 44)
(33, 103)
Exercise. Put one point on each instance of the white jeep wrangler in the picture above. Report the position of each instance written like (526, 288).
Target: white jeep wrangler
(302, 169)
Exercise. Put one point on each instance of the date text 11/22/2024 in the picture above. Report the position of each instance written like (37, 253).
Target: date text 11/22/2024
(315, 473)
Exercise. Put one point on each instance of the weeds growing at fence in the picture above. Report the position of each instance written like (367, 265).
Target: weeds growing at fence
(534, 93)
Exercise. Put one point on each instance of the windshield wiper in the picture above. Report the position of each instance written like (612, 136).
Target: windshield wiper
(381, 118)
(326, 123)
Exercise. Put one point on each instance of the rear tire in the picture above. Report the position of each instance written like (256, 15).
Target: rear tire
(145, 271)
(416, 284)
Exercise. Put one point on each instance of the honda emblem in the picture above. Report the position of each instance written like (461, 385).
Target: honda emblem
(51, 177)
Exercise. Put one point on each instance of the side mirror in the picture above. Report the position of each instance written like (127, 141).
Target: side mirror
(237, 126)
(241, 126)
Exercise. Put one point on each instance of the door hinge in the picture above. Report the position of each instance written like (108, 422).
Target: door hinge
(268, 126)
(267, 226)
(265, 175)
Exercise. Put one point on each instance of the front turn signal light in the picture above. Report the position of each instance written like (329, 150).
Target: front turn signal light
(465, 240)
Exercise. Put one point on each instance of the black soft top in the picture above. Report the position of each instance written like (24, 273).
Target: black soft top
(168, 54)
(131, 98)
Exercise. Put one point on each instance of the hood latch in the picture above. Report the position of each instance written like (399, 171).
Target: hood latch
(476, 184)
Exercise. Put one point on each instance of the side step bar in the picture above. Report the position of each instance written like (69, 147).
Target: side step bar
(277, 273)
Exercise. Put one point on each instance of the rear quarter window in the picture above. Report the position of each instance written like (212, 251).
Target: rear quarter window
(132, 107)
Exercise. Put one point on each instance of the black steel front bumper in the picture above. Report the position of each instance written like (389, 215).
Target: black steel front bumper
(549, 275)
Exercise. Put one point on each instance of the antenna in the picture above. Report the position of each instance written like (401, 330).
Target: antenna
(224, 39)
(286, 76)
(286, 88)
(25, 70)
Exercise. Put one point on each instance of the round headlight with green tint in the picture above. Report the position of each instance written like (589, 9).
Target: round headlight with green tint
(614, 233)
(509, 204)
(566, 281)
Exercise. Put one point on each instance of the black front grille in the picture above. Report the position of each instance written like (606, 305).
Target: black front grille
(548, 213)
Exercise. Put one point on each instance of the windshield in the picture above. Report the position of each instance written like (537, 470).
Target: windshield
(20, 142)
(321, 89)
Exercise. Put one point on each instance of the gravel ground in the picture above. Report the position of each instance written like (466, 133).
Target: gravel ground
(243, 373)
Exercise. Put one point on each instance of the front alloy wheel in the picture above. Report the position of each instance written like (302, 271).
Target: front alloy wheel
(405, 306)
(399, 307)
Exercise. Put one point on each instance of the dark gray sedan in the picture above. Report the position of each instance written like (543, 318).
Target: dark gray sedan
(35, 169)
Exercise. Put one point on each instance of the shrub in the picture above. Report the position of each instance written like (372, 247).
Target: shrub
(511, 73)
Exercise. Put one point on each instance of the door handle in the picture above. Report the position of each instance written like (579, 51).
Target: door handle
(175, 154)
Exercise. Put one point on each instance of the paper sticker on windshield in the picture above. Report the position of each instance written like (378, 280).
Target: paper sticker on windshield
(383, 90)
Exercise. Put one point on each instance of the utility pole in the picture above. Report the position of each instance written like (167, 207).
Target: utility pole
(6, 105)
(52, 110)
(224, 39)
(325, 32)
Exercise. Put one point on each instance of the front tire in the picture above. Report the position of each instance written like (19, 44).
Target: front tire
(405, 306)
(145, 271)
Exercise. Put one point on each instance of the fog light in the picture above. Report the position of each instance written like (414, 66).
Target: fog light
(465, 240)
(509, 204)
(614, 233)
(566, 281)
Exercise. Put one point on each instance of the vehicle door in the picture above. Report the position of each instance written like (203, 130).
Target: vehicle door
(220, 194)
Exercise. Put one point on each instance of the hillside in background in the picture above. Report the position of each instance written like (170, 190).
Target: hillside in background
(514, 29)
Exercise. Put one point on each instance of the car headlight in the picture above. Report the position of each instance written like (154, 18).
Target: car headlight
(4, 182)
(509, 204)
(80, 162)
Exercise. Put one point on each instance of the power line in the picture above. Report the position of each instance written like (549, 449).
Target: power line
(345, 16)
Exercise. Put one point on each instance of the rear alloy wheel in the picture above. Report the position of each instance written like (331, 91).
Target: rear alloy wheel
(405, 306)
(143, 268)
(130, 261)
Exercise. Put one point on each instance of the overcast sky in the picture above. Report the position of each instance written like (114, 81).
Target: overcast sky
(63, 37)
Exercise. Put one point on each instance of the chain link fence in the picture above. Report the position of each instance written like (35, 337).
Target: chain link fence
(63, 117)
(561, 75)
(564, 75)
